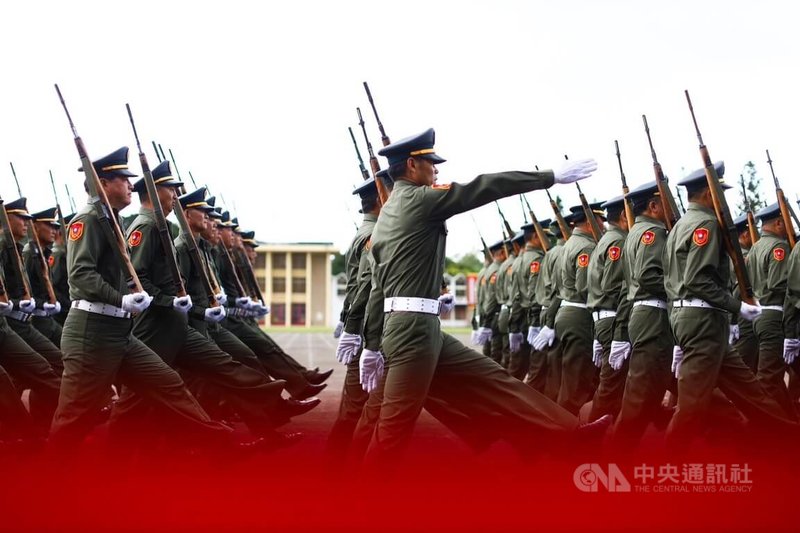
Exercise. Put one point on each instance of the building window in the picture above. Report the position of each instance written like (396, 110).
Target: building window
(459, 287)
(278, 261)
(298, 285)
(278, 285)
(341, 285)
(261, 261)
(278, 313)
(298, 314)
(298, 261)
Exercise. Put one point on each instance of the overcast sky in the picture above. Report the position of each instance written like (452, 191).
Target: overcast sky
(255, 98)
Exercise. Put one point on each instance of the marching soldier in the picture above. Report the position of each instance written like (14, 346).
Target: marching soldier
(743, 337)
(490, 309)
(502, 294)
(46, 225)
(480, 289)
(609, 305)
(58, 273)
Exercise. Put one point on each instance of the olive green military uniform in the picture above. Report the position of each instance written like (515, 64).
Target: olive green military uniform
(99, 348)
(490, 310)
(58, 274)
(769, 268)
(21, 322)
(44, 323)
(609, 304)
(650, 371)
(408, 245)
(747, 344)
(697, 268)
(501, 293)
(548, 371)
(524, 309)
(573, 324)
(791, 310)
(480, 295)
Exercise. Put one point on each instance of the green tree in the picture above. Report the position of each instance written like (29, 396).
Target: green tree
(337, 263)
(465, 264)
(750, 181)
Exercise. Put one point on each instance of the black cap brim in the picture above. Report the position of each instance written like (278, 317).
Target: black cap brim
(433, 158)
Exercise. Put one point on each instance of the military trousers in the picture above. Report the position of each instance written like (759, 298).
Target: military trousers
(649, 374)
(39, 343)
(47, 326)
(29, 370)
(98, 349)
(578, 373)
(420, 356)
(553, 382)
(607, 398)
(747, 345)
(708, 362)
(771, 367)
(351, 406)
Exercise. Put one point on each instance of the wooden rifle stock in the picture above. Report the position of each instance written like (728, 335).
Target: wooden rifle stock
(787, 213)
(536, 226)
(671, 213)
(625, 190)
(11, 245)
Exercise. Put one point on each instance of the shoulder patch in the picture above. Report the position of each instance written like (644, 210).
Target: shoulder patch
(75, 231)
(135, 238)
(700, 237)
(535, 266)
(583, 260)
(493, 279)
(779, 254)
(648, 238)
(51, 261)
(614, 253)
(445, 187)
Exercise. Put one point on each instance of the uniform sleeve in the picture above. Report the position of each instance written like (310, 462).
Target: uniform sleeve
(355, 317)
(373, 320)
(82, 261)
(185, 266)
(702, 264)
(777, 268)
(517, 316)
(445, 201)
(142, 256)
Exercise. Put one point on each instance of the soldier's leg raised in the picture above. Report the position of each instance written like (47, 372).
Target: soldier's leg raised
(39, 343)
(351, 406)
(48, 327)
(747, 345)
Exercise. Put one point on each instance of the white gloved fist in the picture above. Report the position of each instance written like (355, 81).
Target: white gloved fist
(27, 306)
(261, 310)
(473, 337)
(348, 346)
(446, 303)
(791, 349)
(370, 370)
(749, 312)
(514, 342)
(6, 307)
(484, 335)
(620, 350)
(136, 302)
(337, 331)
(575, 170)
(532, 333)
(222, 298)
(733, 334)
(597, 353)
(244, 302)
(677, 357)
(214, 314)
(182, 303)
(52, 309)
(546, 337)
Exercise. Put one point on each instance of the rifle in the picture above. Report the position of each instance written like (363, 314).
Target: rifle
(536, 226)
(786, 210)
(69, 197)
(194, 183)
(566, 232)
(751, 220)
(597, 231)
(680, 200)
(36, 250)
(3, 293)
(364, 173)
(198, 261)
(13, 252)
(667, 201)
(155, 149)
(508, 228)
(247, 272)
(58, 210)
(486, 253)
(383, 194)
(164, 235)
(384, 138)
(625, 190)
(730, 236)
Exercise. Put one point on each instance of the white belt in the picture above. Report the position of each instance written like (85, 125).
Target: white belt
(565, 303)
(411, 305)
(661, 304)
(694, 302)
(19, 316)
(773, 307)
(100, 309)
(40, 313)
(604, 313)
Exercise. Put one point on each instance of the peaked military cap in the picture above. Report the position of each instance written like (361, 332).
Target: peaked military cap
(496, 246)
(644, 191)
(769, 212)
(367, 189)
(114, 165)
(215, 213)
(162, 177)
(18, 207)
(519, 238)
(49, 215)
(615, 204)
(577, 214)
(68, 218)
(195, 200)
(212, 201)
(697, 179)
(249, 238)
(740, 222)
(226, 220)
(420, 145)
(235, 225)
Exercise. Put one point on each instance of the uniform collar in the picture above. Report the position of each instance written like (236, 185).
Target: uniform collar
(651, 220)
(693, 206)
(370, 217)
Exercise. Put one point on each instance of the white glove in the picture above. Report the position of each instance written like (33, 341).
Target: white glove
(222, 298)
(545, 338)
(532, 333)
(6, 307)
(182, 303)
(262, 310)
(244, 302)
(214, 314)
(370, 370)
(597, 353)
(514, 342)
(620, 350)
(337, 332)
(349, 343)
(52, 309)
(791, 349)
(473, 338)
(136, 302)
(575, 170)
(484, 336)
(749, 312)
(677, 357)
(733, 334)
(27, 306)
(446, 303)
